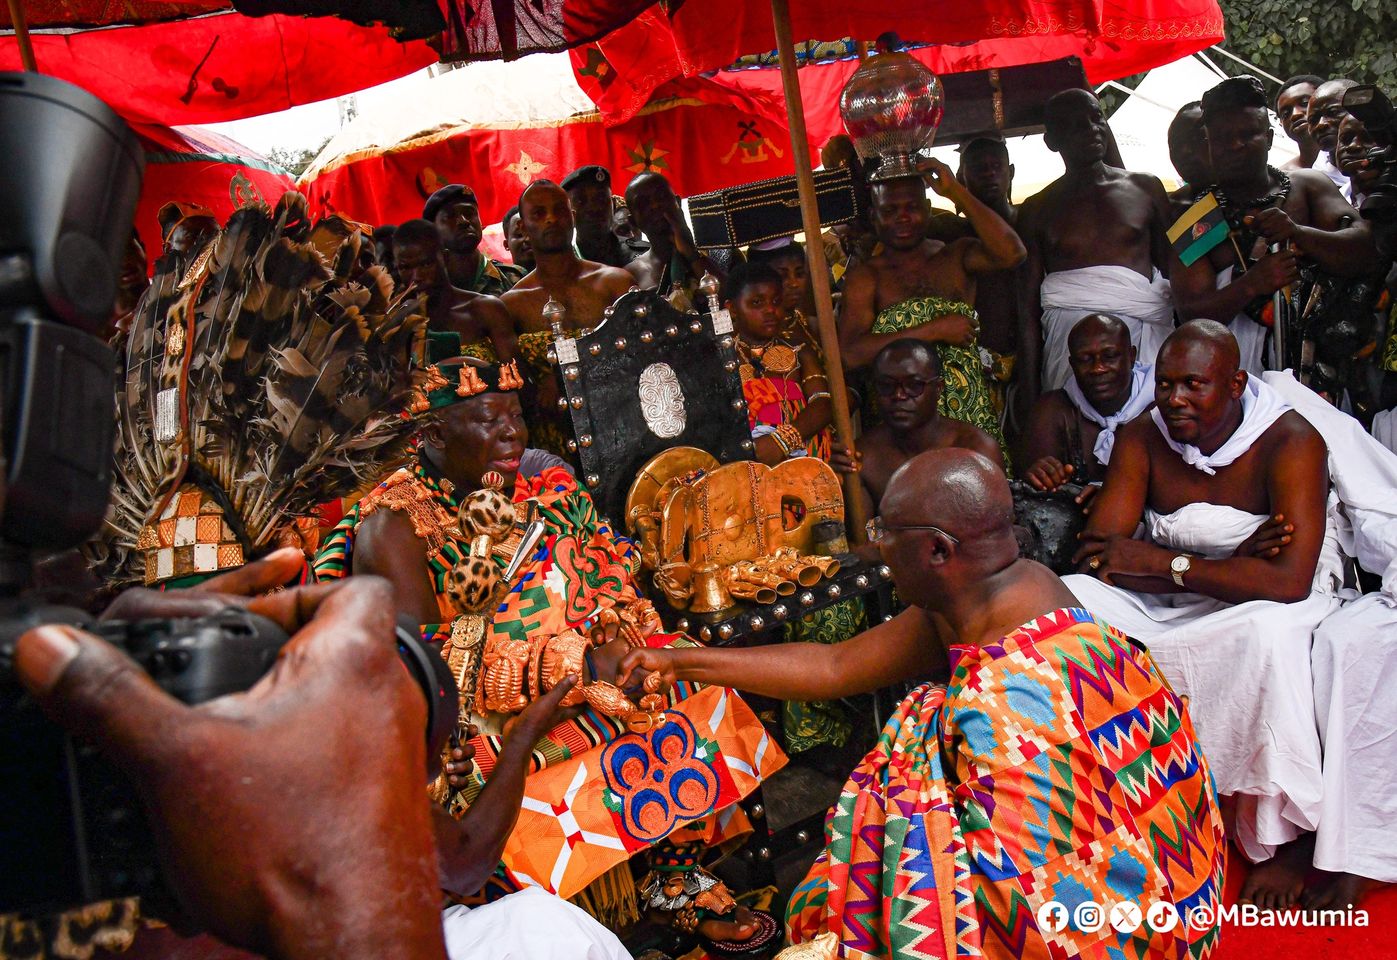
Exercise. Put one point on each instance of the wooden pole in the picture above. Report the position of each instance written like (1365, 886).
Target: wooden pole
(26, 49)
(819, 267)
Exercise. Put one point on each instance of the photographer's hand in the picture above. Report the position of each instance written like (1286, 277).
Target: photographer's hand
(268, 838)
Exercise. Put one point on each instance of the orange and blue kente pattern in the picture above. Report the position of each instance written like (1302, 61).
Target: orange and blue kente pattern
(1056, 766)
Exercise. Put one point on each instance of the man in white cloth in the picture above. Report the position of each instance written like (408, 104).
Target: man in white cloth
(1226, 596)
(1354, 660)
(1095, 238)
(1073, 430)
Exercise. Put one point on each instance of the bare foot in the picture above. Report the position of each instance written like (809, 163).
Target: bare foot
(1335, 891)
(742, 926)
(1276, 884)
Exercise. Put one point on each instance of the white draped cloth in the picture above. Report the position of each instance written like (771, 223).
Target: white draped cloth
(1145, 305)
(1261, 407)
(528, 925)
(1141, 396)
(1245, 667)
(1251, 336)
(1354, 659)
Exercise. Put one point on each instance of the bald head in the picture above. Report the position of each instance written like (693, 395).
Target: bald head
(545, 217)
(1095, 325)
(1063, 106)
(1205, 339)
(959, 490)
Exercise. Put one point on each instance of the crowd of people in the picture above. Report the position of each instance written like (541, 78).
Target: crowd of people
(1212, 670)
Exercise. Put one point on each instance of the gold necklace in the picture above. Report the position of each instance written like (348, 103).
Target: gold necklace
(775, 356)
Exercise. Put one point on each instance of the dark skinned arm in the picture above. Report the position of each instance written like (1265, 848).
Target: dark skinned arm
(1121, 503)
(1161, 254)
(1028, 365)
(857, 341)
(499, 326)
(1196, 293)
(1337, 239)
(995, 246)
(1031, 281)
(1297, 484)
(468, 849)
(905, 648)
(386, 545)
(1043, 437)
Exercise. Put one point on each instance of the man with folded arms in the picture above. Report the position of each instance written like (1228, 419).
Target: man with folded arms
(1225, 474)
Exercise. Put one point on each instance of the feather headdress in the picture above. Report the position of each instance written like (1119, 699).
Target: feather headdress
(260, 381)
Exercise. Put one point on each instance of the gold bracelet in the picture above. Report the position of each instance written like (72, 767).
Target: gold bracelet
(780, 442)
(818, 395)
(791, 436)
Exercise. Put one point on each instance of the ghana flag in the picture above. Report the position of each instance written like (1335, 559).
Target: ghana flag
(1200, 229)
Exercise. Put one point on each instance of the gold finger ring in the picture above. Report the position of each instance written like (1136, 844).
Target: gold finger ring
(1094, 563)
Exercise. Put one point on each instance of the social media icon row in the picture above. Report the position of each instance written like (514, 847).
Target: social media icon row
(1124, 917)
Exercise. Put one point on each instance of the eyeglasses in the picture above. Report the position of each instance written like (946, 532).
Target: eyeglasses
(912, 387)
(876, 530)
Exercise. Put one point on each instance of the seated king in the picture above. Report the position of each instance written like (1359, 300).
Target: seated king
(499, 554)
(1238, 566)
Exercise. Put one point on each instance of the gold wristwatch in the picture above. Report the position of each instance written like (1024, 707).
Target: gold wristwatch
(1179, 566)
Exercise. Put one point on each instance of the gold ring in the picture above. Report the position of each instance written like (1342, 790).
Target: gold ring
(1094, 563)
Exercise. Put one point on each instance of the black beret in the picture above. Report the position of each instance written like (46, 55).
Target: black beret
(592, 173)
(1235, 93)
(447, 194)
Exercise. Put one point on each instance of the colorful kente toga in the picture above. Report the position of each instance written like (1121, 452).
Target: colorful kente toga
(585, 808)
(966, 394)
(1056, 766)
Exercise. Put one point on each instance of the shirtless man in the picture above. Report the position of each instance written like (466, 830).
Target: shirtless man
(1292, 109)
(672, 263)
(585, 289)
(1006, 330)
(1095, 239)
(1302, 211)
(1072, 432)
(418, 260)
(923, 288)
(1188, 152)
(1223, 473)
(907, 382)
(1322, 116)
(456, 214)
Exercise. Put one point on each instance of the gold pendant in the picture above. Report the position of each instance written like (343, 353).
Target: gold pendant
(174, 339)
(779, 359)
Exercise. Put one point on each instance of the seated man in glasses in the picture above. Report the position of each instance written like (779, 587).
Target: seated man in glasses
(907, 381)
(1055, 765)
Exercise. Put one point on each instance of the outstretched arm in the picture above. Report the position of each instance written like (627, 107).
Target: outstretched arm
(386, 545)
(499, 325)
(904, 648)
(468, 849)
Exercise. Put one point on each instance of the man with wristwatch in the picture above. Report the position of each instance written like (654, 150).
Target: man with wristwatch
(1234, 573)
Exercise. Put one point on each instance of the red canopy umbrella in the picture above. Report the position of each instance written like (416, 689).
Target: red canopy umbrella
(219, 66)
(193, 165)
(1112, 38)
(502, 126)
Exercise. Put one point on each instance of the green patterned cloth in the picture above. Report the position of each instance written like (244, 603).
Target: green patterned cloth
(816, 723)
(966, 395)
(494, 278)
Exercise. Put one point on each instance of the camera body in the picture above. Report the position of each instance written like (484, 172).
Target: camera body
(72, 830)
(1375, 111)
